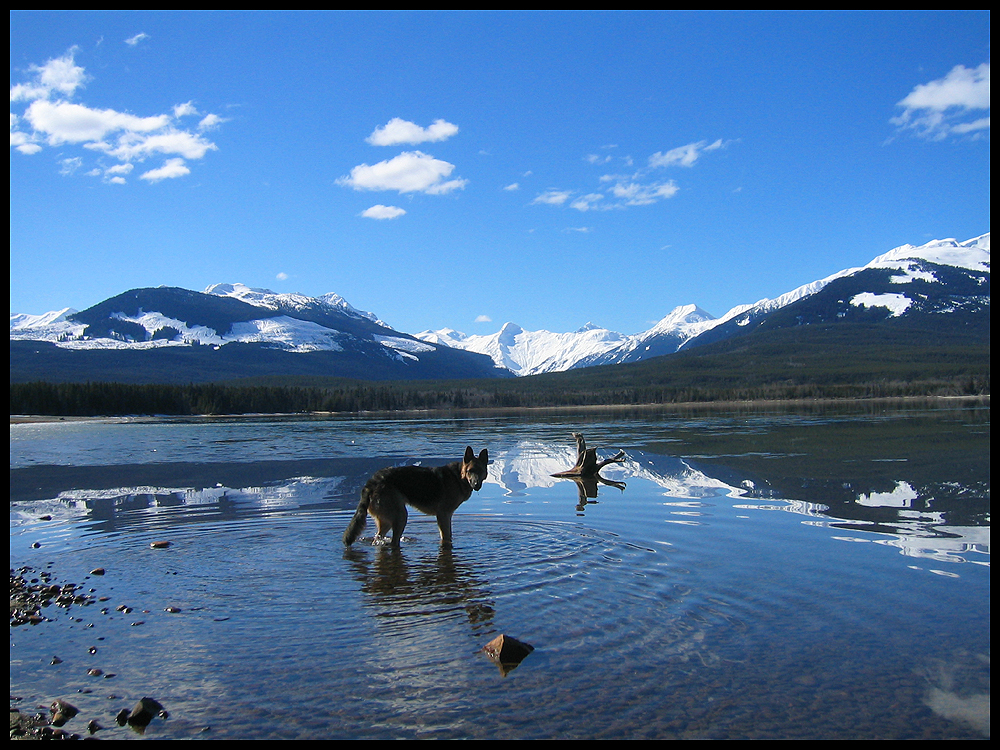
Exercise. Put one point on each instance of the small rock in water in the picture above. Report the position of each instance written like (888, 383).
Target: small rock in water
(97, 572)
(507, 651)
(159, 545)
(62, 712)
(143, 712)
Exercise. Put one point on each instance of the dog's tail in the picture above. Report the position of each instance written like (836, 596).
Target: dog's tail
(357, 524)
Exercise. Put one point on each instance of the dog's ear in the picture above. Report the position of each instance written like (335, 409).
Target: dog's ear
(469, 455)
(484, 457)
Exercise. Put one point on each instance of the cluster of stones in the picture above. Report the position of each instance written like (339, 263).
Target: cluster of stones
(30, 593)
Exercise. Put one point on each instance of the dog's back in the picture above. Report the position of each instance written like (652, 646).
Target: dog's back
(437, 491)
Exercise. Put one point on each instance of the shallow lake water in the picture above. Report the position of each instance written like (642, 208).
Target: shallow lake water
(753, 574)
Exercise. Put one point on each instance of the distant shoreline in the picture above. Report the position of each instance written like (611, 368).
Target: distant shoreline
(515, 410)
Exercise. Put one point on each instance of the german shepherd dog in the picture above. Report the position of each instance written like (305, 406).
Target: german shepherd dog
(437, 492)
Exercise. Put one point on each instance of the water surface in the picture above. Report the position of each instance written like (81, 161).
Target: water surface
(760, 574)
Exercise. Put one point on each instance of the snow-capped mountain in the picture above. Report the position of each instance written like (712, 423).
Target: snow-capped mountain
(298, 325)
(531, 352)
(909, 282)
(669, 334)
(254, 332)
(943, 275)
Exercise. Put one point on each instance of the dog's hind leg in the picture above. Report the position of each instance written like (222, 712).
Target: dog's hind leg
(388, 507)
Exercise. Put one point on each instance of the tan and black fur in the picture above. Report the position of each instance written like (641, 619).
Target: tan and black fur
(435, 491)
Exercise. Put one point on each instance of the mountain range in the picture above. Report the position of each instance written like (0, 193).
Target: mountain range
(942, 276)
(231, 331)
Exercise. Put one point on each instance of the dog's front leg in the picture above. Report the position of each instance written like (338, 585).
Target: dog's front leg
(444, 526)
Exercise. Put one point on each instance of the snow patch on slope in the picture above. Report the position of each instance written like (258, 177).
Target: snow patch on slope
(293, 301)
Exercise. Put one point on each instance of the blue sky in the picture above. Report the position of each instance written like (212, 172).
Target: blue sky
(464, 169)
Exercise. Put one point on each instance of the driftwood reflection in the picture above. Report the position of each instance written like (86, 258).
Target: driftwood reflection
(586, 471)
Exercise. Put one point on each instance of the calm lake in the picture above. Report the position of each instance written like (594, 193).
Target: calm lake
(762, 573)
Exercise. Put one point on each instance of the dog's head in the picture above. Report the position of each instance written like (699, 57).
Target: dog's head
(474, 468)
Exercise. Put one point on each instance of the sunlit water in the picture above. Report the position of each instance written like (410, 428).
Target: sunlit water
(759, 575)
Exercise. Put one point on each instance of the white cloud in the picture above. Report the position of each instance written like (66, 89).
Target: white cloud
(61, 75)
(553, 197)
(982, 123)
(620, 191)
(20, 140)
(171, 169)
(64, 122)
(70, 165)
(281, 276)
(944, 106)
(637, 194)
(211, 122)
(50, 118)
(188, 108)
(684, 156)
(410, 172)
(139, 146)
(134, 40)
(484, 319)
(587, 202)
(379, 211)
(398, 131)
(512, 187)
(581, 230)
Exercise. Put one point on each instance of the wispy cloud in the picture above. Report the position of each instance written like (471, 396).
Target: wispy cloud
(484, 319)
(52, 119)
(638, 188)
(379, 211)
(134, 40)
(398, 131)
(410, 172)
(553, 197)
(512, 187)
(638, 194)
(953, 105)
(589, 202)
(683, 156)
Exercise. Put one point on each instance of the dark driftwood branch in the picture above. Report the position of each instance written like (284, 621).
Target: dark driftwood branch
(587, 464)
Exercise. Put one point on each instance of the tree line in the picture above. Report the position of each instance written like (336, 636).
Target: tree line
(121, 399)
